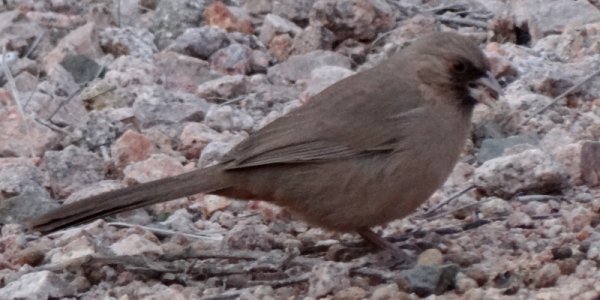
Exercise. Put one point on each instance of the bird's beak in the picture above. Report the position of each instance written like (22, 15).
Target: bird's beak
(486, 90)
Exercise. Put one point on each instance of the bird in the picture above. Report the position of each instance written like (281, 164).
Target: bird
(367, 150)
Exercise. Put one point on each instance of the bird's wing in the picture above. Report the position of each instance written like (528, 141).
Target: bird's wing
(343, 121)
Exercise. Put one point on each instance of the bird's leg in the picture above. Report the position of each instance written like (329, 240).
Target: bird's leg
(398, 254)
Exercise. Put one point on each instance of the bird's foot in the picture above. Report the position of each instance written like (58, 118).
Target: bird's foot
(397, 259)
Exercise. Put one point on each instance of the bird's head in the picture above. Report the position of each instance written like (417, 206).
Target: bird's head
(452, 61)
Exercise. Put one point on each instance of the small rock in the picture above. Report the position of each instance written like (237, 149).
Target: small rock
(546, 276)
(135, 244)
(201, 42)
(430, 257)
(531, 171)
(171, 18)
(19, 176)
(590, 163)
(328, 277)
(155, 105)
(157, 166)
(492, 148)
(274, 25)
(82, 68)
(194, 137)
(313, 38)
(577, 218)
(81, 41)
(249, 237)
(280, 46)
(593, 252)
(351, 293)
(357, 19)
(72, 168)
(323, 77)
(519, 220)
(93, 189)
(295, 10)
(131, 147)
(220, 15)
(134, 41)
(214, 152)
(494, 207)
(180, 221)
(300, 66)
(223, 88)
(16, 141)
(226, 118)
(427, 280)
(257, 7)
(27, 205)
(233, 59)
(38, 285)
(213, 203)
(388, 292)
(464, 283)
(562, 252)
(182, 72)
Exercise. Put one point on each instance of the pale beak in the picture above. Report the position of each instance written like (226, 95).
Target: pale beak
(486, 90)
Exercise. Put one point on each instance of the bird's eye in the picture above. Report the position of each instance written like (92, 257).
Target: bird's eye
(459, 67)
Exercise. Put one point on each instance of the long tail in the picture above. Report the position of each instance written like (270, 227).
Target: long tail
(198, 181)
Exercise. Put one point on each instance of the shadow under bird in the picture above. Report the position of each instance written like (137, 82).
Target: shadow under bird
(367, 150)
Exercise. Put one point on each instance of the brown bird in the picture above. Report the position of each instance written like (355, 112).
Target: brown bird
(367, 150)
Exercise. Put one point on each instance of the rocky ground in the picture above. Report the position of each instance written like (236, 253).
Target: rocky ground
(100, 94)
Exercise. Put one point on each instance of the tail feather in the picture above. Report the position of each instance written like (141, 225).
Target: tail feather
(198, 181)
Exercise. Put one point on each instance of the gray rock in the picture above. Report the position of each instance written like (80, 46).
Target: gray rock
(300, 66)
(172, 17)
(590, 163)
(223, 118)
(99, 130)
(295, 10)
(531, 171)
(38, 285)
(313, 38)
(273, 25)
(134, 41)
(546, 276)
(72, 168)
(155, 105)
(328, 277)
(17, 178)
(323, 77)
(249, 237)
(494, 207)
(425, 280)
(25, 206)
(233, 59)
(201, 42)
(226, 87)
(544, 17)
(81, 67)
(492, 148)
(257, 7)
(519, 220)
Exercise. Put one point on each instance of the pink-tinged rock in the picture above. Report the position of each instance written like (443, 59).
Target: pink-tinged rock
(224, 88)
(131, 147)
(156, 167)
(300, 66)
(213, 203)
(19, 138)
(280, 46)
(134, 41)
(77, 247)
(26, 82)
(218, 14)
(53, 19)
(411, 29)
(136, 244)
(82, 40)
(590, 163)
(357, 19)
(182, 72)
(233, 59)
(328, 277)
(250, 237)
(274, 25)
(194, 137)
(313, 38)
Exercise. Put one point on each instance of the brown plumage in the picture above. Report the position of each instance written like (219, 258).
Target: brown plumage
(367, 150)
